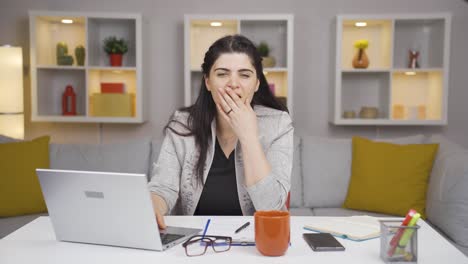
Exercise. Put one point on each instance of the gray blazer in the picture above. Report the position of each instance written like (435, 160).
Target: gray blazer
(173, 174)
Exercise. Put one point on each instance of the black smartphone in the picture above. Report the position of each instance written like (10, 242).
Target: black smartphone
(322, 242)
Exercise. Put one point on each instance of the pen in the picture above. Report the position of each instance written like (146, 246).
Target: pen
(206, 227)
(204, 231)
(242, 227)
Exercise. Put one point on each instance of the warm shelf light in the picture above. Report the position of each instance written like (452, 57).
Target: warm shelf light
(265, 73)
(360, 24)
(410, 73)
(216, 24)
(67, 21)
(11, 89)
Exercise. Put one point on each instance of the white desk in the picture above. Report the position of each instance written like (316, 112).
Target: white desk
(35, 243)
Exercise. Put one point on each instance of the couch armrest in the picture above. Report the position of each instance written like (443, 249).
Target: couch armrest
(447, 196)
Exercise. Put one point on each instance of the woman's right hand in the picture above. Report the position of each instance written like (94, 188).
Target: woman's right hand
(160, 208)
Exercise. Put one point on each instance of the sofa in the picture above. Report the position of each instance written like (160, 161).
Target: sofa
(319, 181)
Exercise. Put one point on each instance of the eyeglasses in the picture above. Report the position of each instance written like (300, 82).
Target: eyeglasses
(197, 244)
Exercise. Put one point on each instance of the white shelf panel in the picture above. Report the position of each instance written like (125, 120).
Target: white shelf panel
(86, 119)
(58, 67)
(114, 69)
(375, 70)
(388, 122)
(275, 69)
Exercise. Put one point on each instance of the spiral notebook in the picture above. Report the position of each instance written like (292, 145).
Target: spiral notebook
(356, 228)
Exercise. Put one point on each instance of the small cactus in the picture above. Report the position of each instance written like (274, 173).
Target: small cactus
(62, 50)
(80, 55)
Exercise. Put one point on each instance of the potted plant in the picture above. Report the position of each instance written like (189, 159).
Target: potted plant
(115, 48)
(264, 50)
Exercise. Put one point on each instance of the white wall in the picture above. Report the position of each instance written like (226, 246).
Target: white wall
(313, 61)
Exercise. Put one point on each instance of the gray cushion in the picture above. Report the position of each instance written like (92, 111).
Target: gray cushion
(327, 168)
(131, 157)
(5, 139)
(301, 211)
(344, 212)
(296, 176)
(447, 195)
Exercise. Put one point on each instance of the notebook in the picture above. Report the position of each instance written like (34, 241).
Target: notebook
(356, 228)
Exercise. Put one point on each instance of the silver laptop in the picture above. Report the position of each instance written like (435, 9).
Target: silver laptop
(105, 208)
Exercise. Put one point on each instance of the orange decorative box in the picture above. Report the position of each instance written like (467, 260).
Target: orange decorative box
(112, 87)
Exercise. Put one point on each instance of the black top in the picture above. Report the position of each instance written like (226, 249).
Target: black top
(219, 196)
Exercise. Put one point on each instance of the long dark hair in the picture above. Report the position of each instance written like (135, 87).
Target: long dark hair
(203, 111)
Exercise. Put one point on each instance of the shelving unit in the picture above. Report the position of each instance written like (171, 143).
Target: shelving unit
(275, 29)
(49, 80)
(403, 95)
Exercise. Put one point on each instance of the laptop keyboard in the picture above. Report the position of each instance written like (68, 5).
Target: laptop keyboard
(168, 238)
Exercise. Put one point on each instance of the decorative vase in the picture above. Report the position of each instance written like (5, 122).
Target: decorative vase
(268, 62)
(360, 60)
(80, 55)
(69, 101)
(413, 59)
(116, 60)
(369, 112)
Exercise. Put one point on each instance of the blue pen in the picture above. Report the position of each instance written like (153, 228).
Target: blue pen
(204, 231)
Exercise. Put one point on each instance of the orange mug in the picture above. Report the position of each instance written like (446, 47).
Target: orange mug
(272, 232)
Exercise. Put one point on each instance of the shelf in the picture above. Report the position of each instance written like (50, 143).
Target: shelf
(425, 36)
(51, 84)
(49, 30)
(421, 90)
(274, 29)
(364, 70)
(273, 32)
(59, 67)
(403, 95)
(377, 32)
(49, 80)
(365, 90)
(388, 122)
(101, 28)
(202, 35)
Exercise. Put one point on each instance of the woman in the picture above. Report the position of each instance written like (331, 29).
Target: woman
(231, 152)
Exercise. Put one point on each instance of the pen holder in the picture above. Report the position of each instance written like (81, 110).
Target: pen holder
(398, 244)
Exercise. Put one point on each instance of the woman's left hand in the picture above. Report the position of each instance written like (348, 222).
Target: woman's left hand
(239, 115)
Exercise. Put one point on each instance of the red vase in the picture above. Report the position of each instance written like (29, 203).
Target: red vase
(116, 60)
(69, 101)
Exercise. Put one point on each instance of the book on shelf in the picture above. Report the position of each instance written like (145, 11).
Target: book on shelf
(356, 228)
(112, 88)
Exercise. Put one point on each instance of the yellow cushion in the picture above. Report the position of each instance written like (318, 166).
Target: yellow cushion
(20, 192)
(389, 178)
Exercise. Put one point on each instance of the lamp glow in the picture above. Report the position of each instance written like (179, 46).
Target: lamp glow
(360, 24)
(11, 89)
(67, 21)
(216, 24)
(410, 73)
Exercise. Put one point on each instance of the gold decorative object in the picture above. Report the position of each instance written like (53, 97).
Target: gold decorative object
(369, 112)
